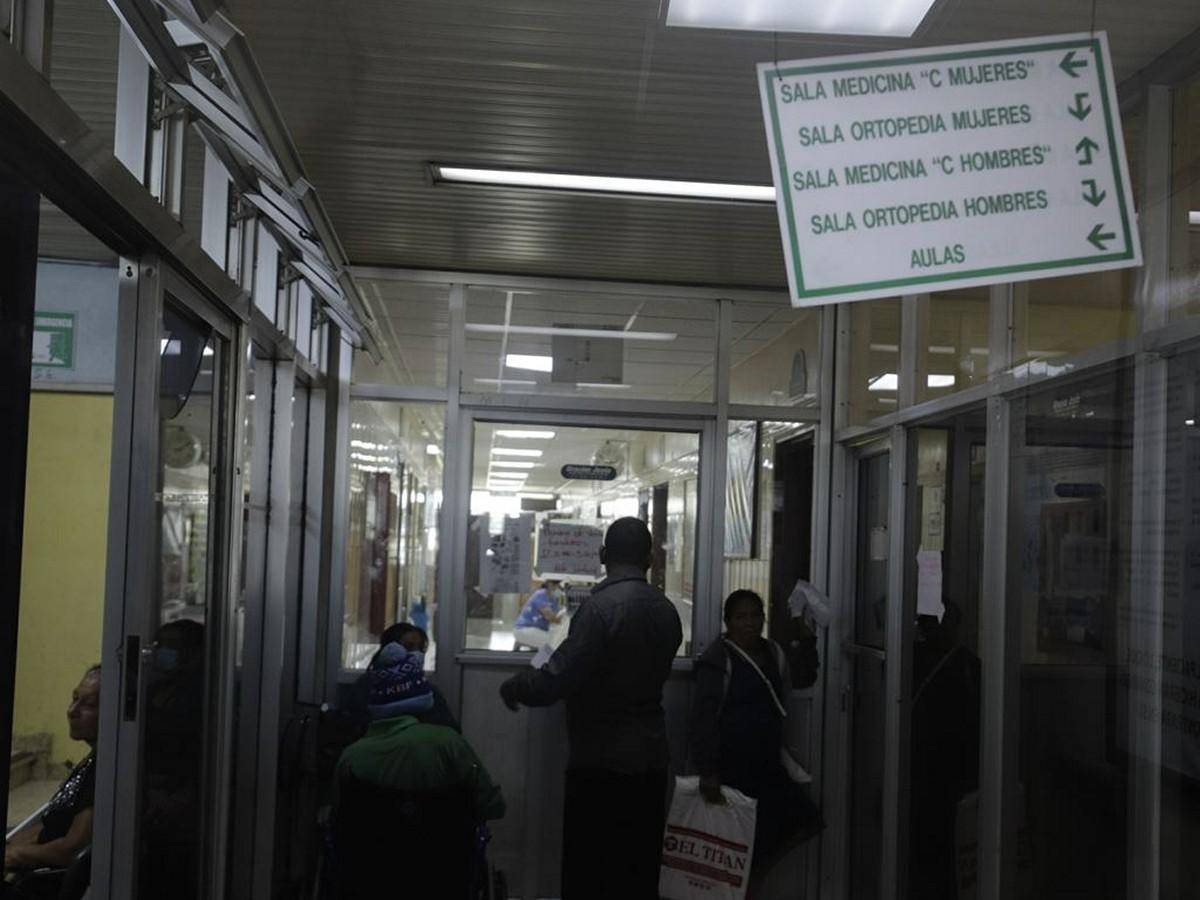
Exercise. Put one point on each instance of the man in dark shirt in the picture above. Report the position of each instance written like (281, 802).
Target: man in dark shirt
(611, 670)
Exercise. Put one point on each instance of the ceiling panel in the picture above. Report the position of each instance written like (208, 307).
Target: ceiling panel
(374, 90)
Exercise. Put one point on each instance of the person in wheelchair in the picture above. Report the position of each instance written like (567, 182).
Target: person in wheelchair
(412, 785)
(39, 858)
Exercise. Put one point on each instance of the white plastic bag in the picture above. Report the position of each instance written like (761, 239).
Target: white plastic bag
(707, 848)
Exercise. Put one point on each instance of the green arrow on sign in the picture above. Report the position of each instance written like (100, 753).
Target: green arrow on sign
(1069, 64)
(1097, 237)
(1079, 111)
(1087, 146)
(1091, 195)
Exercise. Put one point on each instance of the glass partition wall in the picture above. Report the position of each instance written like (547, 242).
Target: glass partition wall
(1037, 714)
(624, 382)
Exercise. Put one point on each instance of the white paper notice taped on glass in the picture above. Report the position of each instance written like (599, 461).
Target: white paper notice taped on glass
(943, 167)
(929, 583)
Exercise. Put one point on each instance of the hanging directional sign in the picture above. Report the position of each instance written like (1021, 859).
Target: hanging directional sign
(945, 167)
(580, 472)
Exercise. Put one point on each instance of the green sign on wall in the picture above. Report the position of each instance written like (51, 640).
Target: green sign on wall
(54, 340)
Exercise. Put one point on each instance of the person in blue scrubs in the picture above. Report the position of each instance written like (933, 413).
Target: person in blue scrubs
(542, 609)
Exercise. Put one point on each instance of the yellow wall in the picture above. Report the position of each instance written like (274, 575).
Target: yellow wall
(63, 560)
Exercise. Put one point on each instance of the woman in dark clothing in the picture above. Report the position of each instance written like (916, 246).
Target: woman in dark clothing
(66, 823)
(737, 730)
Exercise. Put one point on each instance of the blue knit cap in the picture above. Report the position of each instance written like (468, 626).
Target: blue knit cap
(398, 685)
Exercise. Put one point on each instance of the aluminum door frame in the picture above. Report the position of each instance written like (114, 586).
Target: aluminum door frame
(130, 601)
(451, 625)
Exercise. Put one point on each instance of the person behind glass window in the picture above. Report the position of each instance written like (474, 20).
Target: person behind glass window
(65, 826)
(545, 607)
(738, 717)
(174, 717)
(611, 670)
(944, 762)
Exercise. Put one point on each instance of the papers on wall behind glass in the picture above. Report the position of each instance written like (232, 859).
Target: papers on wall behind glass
(505, 558)
(569, 548)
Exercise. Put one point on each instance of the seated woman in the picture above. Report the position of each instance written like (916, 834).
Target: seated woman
(737, 730)
(66, 823)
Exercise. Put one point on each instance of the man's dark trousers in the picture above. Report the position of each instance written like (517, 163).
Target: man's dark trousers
(612, 834)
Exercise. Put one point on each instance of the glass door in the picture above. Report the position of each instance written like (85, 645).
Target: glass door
(868, 667)
(167, 747)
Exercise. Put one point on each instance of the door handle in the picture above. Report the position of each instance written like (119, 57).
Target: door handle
(133, 677)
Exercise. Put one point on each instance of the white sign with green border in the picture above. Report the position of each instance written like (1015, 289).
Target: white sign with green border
(945, 167)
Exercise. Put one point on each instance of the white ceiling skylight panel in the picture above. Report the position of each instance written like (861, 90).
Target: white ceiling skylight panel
(880, 18)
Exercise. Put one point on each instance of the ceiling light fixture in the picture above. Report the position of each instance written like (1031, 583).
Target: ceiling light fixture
(529, 361)
(511, 464)
(546, 330)
(882, 18)
(516, 451)
(601, 384)
(512, 382)
(605, 184)
(525, 433)
(1194, 218)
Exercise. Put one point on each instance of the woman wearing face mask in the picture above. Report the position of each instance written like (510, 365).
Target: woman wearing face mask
(66, 823)
(738, 729)
(543, 609)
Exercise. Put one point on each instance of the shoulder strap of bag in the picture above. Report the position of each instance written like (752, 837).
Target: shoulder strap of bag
(730, 645)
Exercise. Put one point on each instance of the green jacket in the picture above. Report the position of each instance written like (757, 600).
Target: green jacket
(407, 755)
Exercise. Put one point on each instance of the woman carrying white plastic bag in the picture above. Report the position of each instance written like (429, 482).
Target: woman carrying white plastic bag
(737, 732)
(707, 847)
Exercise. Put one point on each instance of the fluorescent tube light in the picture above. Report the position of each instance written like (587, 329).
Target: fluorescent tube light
(1194, 218)
(516, 451)
(529, 361)
(891, 382)
(606, 184)
(518, 382)
(508, 477)
(527, 496)
(601, 384)
(886, 382)
(511, 464)
(525, 433)
(616, 334)
(884, 18)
